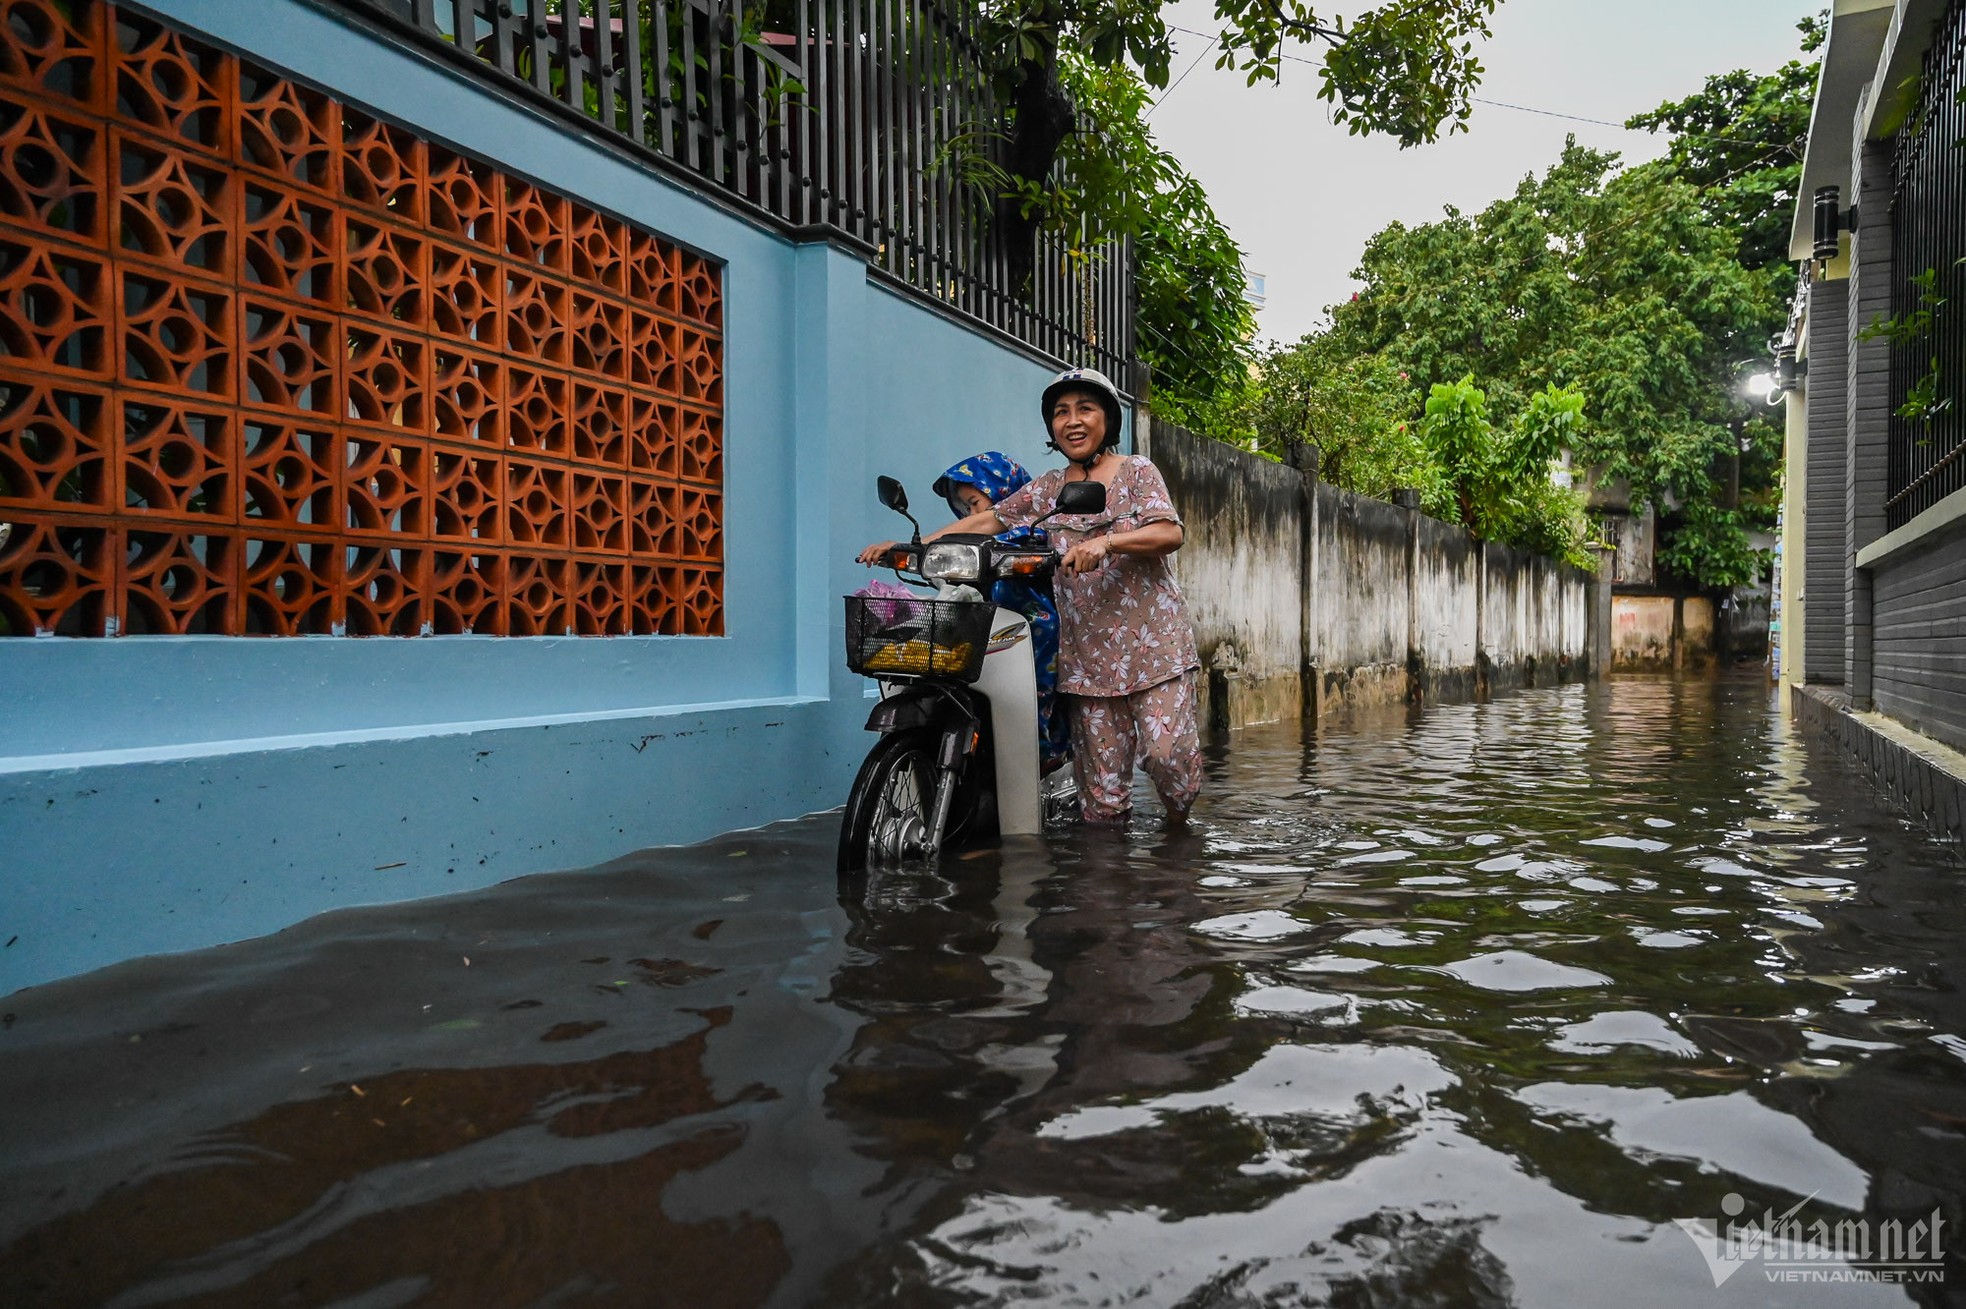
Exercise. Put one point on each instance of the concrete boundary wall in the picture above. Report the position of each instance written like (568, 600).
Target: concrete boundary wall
(1307, 599)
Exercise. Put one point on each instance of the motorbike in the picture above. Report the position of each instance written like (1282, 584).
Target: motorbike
(957, 757)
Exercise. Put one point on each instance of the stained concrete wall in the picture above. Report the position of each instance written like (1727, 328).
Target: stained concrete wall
(1244, 513)
(1449, 610)
(1534, 625)
(1363, 610)
(1309, 599)
(1658, 632)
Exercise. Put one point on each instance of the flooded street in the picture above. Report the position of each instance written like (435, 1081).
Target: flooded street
(1465, 1008)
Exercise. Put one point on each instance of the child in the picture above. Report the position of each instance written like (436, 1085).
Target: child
(977, 483)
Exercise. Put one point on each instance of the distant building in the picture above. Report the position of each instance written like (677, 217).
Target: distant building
(1256, 290)
(1873, 603)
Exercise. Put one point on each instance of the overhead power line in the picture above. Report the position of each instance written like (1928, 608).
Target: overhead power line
(1498, 104)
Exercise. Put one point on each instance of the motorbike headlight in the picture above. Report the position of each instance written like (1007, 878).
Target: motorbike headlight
(952, 563)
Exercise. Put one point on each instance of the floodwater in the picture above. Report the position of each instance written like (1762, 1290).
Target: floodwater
(1509, 1004)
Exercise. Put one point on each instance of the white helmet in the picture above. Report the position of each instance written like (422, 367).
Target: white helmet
(1093, 381)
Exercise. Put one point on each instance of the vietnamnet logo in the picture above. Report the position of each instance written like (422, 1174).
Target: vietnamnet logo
(1789, 1249)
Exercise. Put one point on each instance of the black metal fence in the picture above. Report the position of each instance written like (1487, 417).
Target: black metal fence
(1928, 298)
(874, 119)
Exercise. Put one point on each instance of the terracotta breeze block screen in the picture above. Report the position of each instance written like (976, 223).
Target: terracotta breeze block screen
(269, 365)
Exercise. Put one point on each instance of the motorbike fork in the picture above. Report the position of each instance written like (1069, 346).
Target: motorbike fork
(948, 771)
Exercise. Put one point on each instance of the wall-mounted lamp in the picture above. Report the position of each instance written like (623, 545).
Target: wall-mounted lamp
(1789, 371)
(1830, 220)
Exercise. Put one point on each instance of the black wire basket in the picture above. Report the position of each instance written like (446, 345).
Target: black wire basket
(917, 638)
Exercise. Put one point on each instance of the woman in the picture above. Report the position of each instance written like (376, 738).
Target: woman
(970, 487)
(1127, 661)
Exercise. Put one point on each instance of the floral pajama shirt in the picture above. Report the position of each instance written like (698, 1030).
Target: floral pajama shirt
(1126, 654)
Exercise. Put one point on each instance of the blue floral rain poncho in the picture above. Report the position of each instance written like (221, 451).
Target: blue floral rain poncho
(996, 476)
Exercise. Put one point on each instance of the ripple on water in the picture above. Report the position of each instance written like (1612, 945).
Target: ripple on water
(1335, 1081)
(1333, 963)
(1733, 1131)
(1297, 1002)
(1261, 925)
(1387, 937)
(1624, 1027)
(1151, 1070)
(1518, 970)
(1376, 857)
(1654, 939)
(1643, 844)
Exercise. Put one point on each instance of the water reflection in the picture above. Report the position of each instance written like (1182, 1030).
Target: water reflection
(1466, 1009)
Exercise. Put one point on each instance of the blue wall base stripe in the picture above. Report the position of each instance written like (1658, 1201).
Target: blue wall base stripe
(109, 862)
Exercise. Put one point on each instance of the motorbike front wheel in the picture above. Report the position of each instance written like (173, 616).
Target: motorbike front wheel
(892, 800)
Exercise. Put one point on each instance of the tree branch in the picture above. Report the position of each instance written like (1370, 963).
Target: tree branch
(1299, 25)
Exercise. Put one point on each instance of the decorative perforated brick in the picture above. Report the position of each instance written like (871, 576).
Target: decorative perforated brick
(178, 584)
(177, 335)
(54, 173)
(466, 296)
(599, 250)
(388, 272)
(55, 449)
(462, 198)
(171, 85)
(173, 209)
(291, 246)
(287, 130)
(468, 396)
(289, 586)
(272, 365)
(55, 311)
(291, 357)
(381, 168)
(58, 578)
(293, 473)
(180, 461)
(383, 591)
(56, 50)
(469, 488)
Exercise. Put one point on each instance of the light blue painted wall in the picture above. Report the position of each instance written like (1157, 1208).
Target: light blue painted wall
(162, 794)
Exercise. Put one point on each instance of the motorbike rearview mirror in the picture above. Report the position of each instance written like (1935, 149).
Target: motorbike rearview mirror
(1087, 497)
(895, 497)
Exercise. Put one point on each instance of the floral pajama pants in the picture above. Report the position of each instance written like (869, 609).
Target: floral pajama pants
(1156, 726)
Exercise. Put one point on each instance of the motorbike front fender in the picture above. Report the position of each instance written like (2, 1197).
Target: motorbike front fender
(913, 707)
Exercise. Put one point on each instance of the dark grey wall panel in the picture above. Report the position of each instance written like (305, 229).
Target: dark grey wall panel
(1823, 526)
(1919, 609)
(1869, 405)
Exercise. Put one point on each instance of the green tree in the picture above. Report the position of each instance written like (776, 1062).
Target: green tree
(1739, 141)
(1403, 67)
(1113, 179)
(1356, 409)
(1498, 482)
(1614, 283)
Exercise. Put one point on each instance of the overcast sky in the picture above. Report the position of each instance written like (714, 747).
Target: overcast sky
(1302, 197)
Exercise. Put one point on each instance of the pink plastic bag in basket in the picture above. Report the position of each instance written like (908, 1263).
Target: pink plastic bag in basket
(893, 602)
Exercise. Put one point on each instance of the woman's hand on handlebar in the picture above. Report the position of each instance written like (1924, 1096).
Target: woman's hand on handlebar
(875, 556)
(1087, 556)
